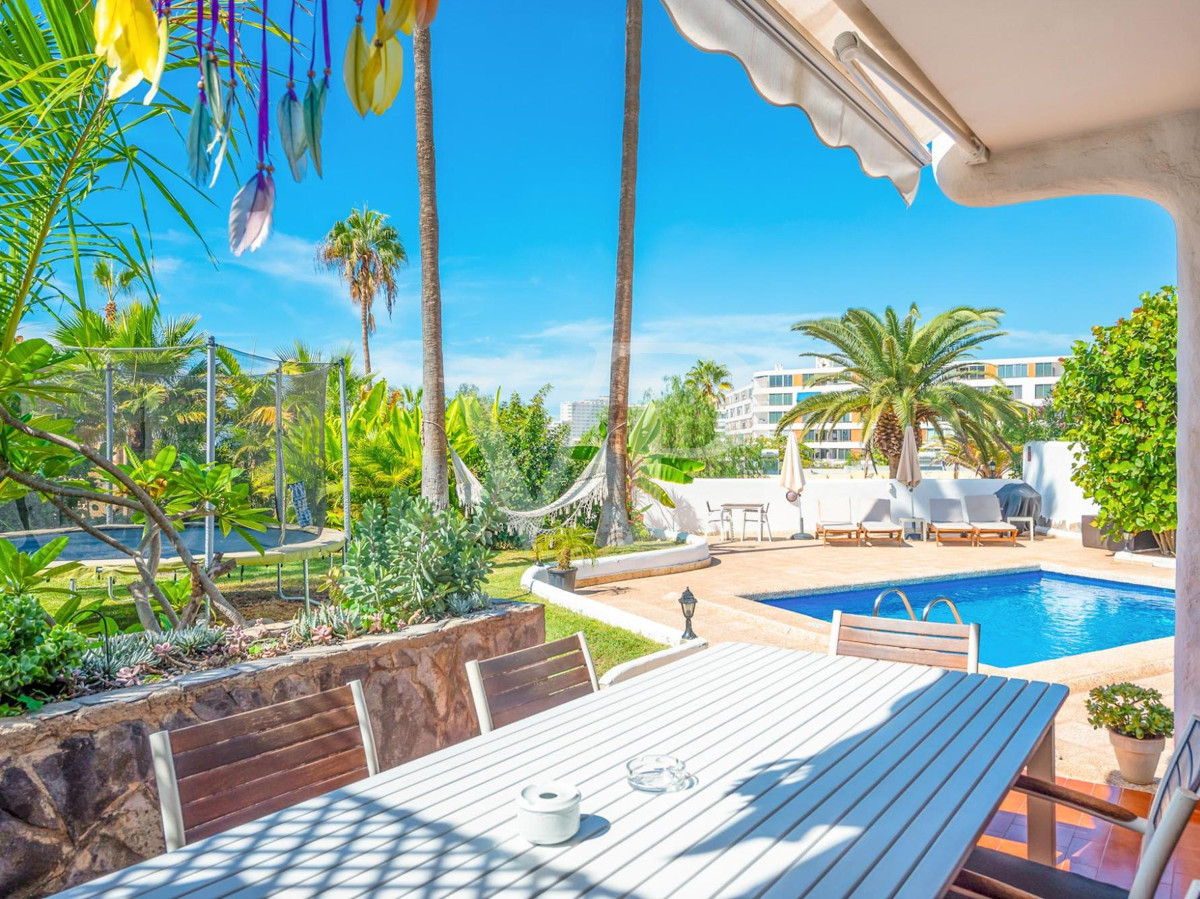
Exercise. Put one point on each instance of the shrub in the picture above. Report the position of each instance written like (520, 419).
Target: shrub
(36, 659)
(1130, 710)
(1118, 396)
(417, 562)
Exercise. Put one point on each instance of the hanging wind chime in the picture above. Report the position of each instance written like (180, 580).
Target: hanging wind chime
(133, 37)
(250, 214)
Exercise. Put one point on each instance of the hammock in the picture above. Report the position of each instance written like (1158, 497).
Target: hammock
(586, 492)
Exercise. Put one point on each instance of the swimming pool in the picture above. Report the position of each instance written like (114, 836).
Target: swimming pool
(1026, 617)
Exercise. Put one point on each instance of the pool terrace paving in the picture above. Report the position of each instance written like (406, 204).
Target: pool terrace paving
(785, 567)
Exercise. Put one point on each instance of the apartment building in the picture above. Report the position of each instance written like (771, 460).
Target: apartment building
(756, 408)
(582, 416)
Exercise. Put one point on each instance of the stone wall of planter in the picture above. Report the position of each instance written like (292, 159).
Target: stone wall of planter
(77, 791)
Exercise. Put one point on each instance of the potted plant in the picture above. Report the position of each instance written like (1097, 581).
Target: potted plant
(565, 543)
(1138, 724)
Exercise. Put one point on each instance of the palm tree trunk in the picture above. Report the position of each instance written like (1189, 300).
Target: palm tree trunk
(614, 517)
(366, 329)
(435, 479)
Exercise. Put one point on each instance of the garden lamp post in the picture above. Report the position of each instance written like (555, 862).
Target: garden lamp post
(688, 603)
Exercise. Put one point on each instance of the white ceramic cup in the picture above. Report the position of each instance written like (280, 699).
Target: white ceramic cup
(548, 812)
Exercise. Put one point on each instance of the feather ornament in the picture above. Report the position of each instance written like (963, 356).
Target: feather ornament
(164, 41)
(314, 113)
(384, 73)
(199, 136)
(128, 36)
(292, 133)
(251, 212)
(213, 90)
(399, 16)
(352, 70)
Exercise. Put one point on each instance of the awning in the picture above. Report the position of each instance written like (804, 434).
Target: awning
(786, 47)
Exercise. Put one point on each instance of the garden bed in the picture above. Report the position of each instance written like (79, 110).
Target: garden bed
(77, 796)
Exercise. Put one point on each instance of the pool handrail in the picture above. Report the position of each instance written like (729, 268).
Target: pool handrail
(903, 598)
(947, 601)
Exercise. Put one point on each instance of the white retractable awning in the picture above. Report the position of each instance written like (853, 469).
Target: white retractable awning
(787, 49)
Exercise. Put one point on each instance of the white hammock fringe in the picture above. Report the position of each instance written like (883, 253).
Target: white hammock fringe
(587, 492)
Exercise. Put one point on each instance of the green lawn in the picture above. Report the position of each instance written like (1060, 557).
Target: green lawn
(253, 591)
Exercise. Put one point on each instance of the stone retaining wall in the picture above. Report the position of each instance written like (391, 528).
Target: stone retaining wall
(77, 792)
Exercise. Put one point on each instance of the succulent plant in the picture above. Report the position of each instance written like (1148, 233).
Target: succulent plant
(328, 622)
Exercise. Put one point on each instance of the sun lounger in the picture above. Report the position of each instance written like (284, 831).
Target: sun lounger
(983, 513)
(877, 522)
(834, 523)
(946, 522)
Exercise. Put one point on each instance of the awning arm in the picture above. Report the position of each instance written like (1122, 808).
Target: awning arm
(857, 56)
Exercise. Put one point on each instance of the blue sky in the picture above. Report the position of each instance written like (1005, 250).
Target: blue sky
(745, 222)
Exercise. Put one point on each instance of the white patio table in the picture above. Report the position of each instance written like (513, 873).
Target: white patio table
(814, 776)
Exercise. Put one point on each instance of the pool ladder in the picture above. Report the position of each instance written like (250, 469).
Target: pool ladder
(908, 606)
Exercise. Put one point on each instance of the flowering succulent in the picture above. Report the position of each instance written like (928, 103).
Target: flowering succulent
(322, 634)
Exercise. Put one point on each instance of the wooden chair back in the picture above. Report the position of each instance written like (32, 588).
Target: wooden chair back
(522, 683)
(933, 643)
(219, 774)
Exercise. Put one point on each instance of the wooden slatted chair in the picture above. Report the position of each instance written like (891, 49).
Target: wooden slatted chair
(947, 524)
(219, 774)
(931, 643)
(988, 874)
(522, 683)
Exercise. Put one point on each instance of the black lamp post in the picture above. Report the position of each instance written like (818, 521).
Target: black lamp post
(688, 603)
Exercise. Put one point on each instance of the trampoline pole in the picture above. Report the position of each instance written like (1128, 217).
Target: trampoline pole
(108, 429)
(345, 451)
(280, 497)
(210, 456)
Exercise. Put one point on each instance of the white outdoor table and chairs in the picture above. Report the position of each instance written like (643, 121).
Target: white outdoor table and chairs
(755, 511)
(812, 775)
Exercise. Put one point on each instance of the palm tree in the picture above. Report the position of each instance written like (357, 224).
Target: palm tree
(711, 378)
(435, 476)
(114, 282)
(907, 374)
(614, 517)
(366, 252)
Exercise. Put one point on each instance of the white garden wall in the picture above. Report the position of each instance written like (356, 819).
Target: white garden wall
(1047, 466)
(690, 513)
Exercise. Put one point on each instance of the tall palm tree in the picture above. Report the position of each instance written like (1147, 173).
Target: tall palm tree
(711, 378)
(114, 282)
(904, 374)
(366, 252)
(614, 516)
(435, 476)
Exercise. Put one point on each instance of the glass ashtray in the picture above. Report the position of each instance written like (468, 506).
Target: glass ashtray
(656, 773)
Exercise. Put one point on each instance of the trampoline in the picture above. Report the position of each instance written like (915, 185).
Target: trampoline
(279, 548)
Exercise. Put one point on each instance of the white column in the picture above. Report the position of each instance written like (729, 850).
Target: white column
(1187, 571)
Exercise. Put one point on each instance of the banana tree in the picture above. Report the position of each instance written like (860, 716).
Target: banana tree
(647, 466)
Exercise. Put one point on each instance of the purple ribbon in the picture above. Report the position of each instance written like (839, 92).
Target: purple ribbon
(200, 47)
(292, 46)
(212, 31)
(264, 123)
(232, 73)
(325, 32)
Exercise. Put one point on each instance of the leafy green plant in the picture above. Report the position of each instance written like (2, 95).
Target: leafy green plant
(1130, 710)
(327, 622)
(646, 464)
(36, 658)
(412, 560)
(29, 574)
(1118, 396)
(566, 543)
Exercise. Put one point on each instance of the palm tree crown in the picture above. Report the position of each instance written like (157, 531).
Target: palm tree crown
(366, 252)
(711, 378)
(114, 282)
(904, 373)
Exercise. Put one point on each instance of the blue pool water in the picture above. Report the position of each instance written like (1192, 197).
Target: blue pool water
(1023, 618)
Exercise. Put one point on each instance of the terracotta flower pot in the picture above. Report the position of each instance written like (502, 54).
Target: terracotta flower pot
(1137, 759)
(563, 578)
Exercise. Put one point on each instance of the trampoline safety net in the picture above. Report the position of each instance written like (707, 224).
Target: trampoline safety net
(269, 420)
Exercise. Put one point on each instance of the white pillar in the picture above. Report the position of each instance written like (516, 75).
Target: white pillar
(1187, 570)
(1158, 160)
